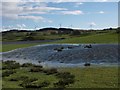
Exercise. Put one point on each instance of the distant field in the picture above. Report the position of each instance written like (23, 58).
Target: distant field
(97, 38)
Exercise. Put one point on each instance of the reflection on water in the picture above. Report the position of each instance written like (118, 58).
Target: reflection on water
(70, 54)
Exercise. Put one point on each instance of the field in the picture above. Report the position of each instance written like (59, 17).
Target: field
(97, 38)
(81, 77)
(85, 77)
(93, 39)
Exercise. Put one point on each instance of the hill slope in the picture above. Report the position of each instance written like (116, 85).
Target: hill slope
(97, 38)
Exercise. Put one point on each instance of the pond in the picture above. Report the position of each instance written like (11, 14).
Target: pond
(65, 54)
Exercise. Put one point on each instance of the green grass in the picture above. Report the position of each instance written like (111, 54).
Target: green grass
(8, 47)
(94, 77)
(97, 38)
(23, 72)
(88, 77)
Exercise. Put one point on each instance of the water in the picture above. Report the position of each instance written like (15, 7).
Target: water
(71, 54)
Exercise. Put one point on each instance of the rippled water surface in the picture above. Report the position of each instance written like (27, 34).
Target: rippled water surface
(70, 54)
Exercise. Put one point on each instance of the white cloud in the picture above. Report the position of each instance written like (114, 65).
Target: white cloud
(92, 24)
(24, 10)
(101, 12)
(58, 1)
(78, 4)
(76, 12)
(21, 26)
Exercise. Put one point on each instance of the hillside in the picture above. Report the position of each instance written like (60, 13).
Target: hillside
(50, 34)
(96, 38)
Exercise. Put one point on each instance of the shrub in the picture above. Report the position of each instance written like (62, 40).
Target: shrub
(10, 65)
(28, 82)
(65, 79)
(50, 71)
(64, 75)
(36, 69)
(38, 66)
(26, 65)
(63, 83)
(34, 85)
(13, 79)
(21, 78)
(7, 73)
(9, 62)
(44, 84)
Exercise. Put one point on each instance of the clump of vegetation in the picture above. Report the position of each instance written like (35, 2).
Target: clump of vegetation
(13, 79)
(8, 73)
(28, 38)
(33, 85)
(50, 71)
(36, 69)
(64, 75)
(21, 78)
(28, 82)
(63, 83)
(10, 65)
(65, 79)
(26, 65)
(38, 66)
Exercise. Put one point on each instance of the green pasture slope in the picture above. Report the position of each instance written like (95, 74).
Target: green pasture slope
(85, 77)
(97, 38)
(93, 39)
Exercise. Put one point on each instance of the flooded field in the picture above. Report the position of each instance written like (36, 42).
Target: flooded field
(65, 54)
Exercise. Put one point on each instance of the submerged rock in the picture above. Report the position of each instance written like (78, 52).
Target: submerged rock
(87, 64)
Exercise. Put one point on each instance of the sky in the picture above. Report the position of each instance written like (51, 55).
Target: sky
(35, 14)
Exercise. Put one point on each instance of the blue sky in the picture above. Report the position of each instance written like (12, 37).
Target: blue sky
(83, 15)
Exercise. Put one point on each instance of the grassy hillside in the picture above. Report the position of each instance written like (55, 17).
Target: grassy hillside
(86, 77)
(97, 38)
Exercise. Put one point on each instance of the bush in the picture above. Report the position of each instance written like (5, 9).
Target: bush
(36, 69)
(27, 82)
(50, 71)
(63, 83)
(34, 85)
(21, 78)
(65, 79)
(28, 38)
(7, 73)
(38, 66)
(44, 84)
(13, 79)
(9, 62)
(65, 75)
(10, 65)
(26, 65)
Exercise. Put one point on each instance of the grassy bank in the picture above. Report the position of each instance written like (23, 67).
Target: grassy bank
(97, 38)
(8, 47)
(86, 77)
